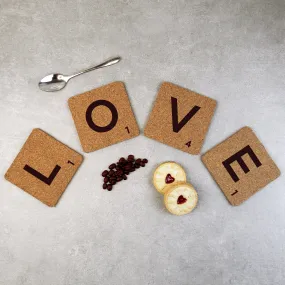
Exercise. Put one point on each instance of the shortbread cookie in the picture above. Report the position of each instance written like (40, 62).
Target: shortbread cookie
(180, 199)
(168, 173)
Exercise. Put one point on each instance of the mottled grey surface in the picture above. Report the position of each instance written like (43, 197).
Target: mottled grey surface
(232, 51)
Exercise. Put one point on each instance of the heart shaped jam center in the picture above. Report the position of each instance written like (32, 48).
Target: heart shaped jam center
(181, 200)
(169, 179)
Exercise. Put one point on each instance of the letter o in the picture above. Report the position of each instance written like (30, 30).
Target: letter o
(108, 127)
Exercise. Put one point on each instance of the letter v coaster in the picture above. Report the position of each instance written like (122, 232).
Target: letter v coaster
(103, 116)
(241, 166)
(44, 167)
(180, 118)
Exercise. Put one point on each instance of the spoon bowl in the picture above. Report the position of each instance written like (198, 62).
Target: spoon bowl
(53, 82)
(56, 81)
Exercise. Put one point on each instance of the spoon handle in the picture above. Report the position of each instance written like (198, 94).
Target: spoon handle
(104, 64)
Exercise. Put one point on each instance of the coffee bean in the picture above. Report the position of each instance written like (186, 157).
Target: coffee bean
(112, 166)
(131, 158)
(122, 160)
(119, 170)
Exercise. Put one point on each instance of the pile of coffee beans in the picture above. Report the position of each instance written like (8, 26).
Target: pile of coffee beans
(118, 171)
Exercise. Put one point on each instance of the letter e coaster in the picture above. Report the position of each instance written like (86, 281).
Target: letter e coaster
(103, 116)
(180, 118)
(44, 167)
(241, 166)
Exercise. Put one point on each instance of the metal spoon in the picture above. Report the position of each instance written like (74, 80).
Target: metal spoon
(56, 82)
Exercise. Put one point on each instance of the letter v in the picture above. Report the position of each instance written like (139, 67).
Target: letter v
(177, 126)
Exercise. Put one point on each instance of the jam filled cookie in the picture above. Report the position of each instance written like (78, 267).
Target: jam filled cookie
(180, 199)
(166, 174)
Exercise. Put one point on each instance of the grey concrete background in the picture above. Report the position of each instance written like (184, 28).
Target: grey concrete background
(232, 51)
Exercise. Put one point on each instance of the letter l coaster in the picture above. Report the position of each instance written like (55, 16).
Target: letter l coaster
(241, 166)
(103, 116)
(180, 118)
(44, 167)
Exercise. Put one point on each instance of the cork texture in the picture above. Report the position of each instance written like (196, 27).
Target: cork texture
(103, 116)
(180, 118)
(44, 167)
(241, 166)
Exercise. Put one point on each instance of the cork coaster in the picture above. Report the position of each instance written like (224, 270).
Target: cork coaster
(180, 118)
(44, 167)
(241, 166)
(103, 116)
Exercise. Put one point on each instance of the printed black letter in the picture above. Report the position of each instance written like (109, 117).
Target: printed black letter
(177, 126)
(46, 180)
(90, 122)
(238, 157)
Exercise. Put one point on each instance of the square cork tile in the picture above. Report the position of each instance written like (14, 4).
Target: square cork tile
(103, 116)
(241, 166)
(44, 167)
(180, 118)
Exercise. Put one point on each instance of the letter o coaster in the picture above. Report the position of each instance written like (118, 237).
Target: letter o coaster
(241, 166)
(180, 118)
(103, 116)
(44, 167)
